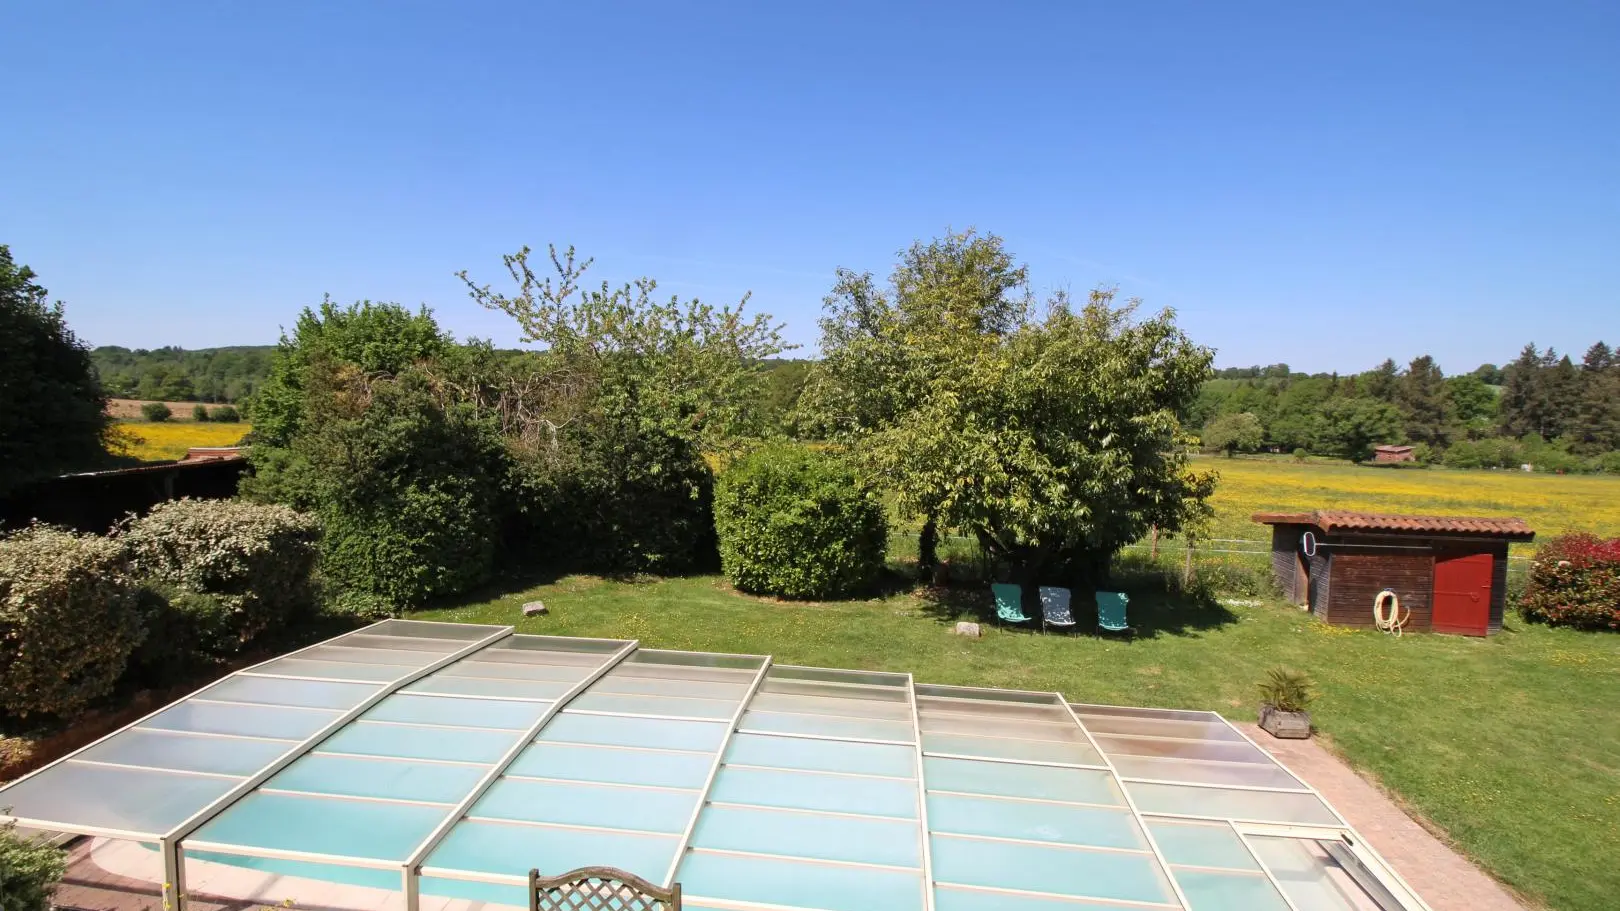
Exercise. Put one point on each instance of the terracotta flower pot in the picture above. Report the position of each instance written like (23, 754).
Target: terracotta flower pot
(1285, 725)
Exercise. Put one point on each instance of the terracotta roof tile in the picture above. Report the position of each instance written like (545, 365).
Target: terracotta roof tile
(1331, 520)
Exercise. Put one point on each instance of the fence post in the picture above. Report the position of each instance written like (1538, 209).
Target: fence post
(1153, 536)
(1186, 569)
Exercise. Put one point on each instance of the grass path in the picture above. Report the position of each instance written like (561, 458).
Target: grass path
(1511, 745)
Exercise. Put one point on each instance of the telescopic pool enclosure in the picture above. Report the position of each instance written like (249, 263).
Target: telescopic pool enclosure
(437, 763)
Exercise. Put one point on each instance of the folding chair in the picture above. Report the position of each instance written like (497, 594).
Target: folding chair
(1055, 609)
(1010, 603)
(1111, 613)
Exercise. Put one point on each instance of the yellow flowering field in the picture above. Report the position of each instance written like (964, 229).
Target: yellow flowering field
(170, 440)
(1552, 504)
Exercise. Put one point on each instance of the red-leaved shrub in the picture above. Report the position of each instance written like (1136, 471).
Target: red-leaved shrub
(1575, 581)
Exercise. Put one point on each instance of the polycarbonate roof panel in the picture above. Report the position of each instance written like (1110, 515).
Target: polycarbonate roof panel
(160, 772)
(403, 765)
(489, 753)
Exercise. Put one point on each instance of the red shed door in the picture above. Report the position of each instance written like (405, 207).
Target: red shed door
(1462, 594)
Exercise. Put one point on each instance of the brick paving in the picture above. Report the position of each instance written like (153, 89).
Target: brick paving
(1442, 877)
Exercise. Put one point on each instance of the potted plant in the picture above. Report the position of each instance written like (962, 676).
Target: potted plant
(1284, 695)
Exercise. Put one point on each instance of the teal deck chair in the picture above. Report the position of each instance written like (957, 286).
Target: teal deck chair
(1055, 610)
(1009, 603)
(1111, 613)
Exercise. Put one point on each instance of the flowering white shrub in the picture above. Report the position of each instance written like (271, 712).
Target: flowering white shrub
(68, 620)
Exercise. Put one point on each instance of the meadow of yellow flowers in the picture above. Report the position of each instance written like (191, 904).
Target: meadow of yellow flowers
(169, 440)
(1552, 504)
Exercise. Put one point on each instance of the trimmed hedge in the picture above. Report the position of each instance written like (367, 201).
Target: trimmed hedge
(235, 569)
(1575, 581)
(799, 524)
(68, 620)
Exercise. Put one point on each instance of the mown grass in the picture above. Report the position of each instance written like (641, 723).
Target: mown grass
(1511, 745)
(150, 442)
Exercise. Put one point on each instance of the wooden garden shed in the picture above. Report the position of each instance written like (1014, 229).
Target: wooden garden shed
(1449, 571)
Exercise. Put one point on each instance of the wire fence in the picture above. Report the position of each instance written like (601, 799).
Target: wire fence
(1187, 558)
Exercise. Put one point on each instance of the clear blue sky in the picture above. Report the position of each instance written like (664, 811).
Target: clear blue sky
(1322, 186)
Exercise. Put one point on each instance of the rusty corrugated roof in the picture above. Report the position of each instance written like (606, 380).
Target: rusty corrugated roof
(1332, 520)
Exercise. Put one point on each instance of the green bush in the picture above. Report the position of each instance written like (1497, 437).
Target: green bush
(362, 605)
(186, 632)
(1608, 462)
(798, 523)
(156, 412)
(199, 413)
(245, 568)
(623, 500)
(408, 491)
(1300, 454)
(224, 414)
(68, 620)
(1494, 453)
(29, 871)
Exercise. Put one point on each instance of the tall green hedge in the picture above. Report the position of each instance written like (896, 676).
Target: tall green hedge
(798, 523)
(408, 491)
(68, 620)
(629, 500)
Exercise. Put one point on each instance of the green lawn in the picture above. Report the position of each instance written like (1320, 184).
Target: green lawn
(1511, 745)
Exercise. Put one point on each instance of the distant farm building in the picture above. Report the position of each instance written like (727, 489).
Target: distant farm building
(1394, 454)
(1449, 571)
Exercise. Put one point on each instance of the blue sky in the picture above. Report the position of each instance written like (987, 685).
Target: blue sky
(1323, 186)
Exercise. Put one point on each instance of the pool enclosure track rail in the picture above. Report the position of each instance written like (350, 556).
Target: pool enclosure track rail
(922, 799)
(1136, 813)
(714, 772)
(409, 879)
(174, 887)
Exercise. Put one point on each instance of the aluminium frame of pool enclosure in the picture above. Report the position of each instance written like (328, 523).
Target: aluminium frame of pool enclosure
(731, 774)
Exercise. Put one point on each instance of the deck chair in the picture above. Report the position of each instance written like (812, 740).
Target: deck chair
(1010, 603)
(1055, 608)
(1111, 613)
(599, 889)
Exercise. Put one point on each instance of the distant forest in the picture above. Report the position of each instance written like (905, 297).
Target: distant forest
(1543, 408)
(177, 375)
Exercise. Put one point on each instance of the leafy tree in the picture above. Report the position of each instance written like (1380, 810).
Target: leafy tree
(1381, 382)
(52, 409)
(681, 367)
(1295, 420)
(1351, 427)
(1234, 433)
(375, 339)
(1053, 439)
(1521, 404)
(1472, 405)
(1489, 374)
(1421, 395)
(1597, 419)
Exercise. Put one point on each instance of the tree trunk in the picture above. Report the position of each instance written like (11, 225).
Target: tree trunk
(928, 548)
